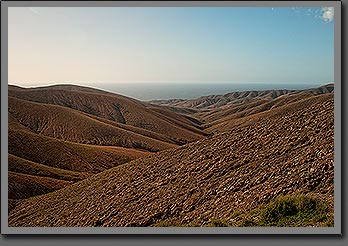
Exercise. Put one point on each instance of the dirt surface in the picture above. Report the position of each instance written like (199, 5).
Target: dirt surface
(59, 135)
(249, 164)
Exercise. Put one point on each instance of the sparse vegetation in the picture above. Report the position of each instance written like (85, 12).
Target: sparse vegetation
(286, 211)
(301, 210)
(218, 223)
(175, 224)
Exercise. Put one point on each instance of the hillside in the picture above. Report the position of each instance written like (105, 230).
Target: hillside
(22, 186)
(71, 125)
(258, 105)
(27, 178)
(67, 155)
(219, 113)
(62, 134)
(112, 107)
(38, 164)
(265, 111)
(23, 166)
(237, 98)
(245, 167)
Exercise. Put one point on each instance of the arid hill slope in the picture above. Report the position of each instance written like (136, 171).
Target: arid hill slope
(38, 164)
(27, 178)
(209, 179)
(216, 116)
(67, 155)
(71, 125)
(112, 107)
(23, 166)
(275, 108)
(21, 186)
(62, 134)
(219, 113)
(237, 98)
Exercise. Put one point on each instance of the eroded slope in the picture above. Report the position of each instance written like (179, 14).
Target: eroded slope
(209, 179)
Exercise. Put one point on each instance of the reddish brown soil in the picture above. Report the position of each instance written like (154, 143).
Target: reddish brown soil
(23, 166)
(112, 107)
(71, 125)
(285, 150)
(66, 133)
(67, 155)
(22, 186)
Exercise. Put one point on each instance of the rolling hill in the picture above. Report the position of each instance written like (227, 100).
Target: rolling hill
(71, 125)
(59, 135)
(22, 186)
(23, 166)
(237, 98)
(267, 110)
(287, 149)
(67, 155)
(112, 107)
(40, 164)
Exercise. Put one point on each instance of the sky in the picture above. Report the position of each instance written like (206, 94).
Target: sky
(94, 45)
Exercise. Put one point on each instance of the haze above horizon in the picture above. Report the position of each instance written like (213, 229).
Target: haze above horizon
(95, 46)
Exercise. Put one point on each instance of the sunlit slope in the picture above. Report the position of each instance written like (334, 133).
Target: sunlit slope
(71, 125)
(112, 107)
(248, 165)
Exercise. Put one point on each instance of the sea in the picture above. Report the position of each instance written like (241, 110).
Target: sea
(156, 91)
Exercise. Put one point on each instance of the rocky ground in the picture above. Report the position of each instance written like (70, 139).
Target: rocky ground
(240, 169)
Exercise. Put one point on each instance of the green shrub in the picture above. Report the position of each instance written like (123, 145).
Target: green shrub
(166, 224)
(300, 210)
(279, 209)
(289, 211)
(218, 223)
(174, 224)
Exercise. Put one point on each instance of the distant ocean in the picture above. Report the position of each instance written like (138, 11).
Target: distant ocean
(152, 91)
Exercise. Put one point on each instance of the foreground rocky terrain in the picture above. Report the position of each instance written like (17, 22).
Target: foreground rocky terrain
(246, 164)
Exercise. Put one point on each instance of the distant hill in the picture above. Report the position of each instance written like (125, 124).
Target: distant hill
(24, 186)
(237, 98)
(219, 113)
(246, 115)
(112, 107)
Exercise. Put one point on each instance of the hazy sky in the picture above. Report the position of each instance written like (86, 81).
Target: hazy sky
(184, 44)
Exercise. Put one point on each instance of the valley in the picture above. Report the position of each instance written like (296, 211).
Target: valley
(80, 156)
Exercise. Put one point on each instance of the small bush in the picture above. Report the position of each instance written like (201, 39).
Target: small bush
(288, 211)
(218, 223)
(279, 209)
(298, 210)
(166, 224)
(173, 223)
